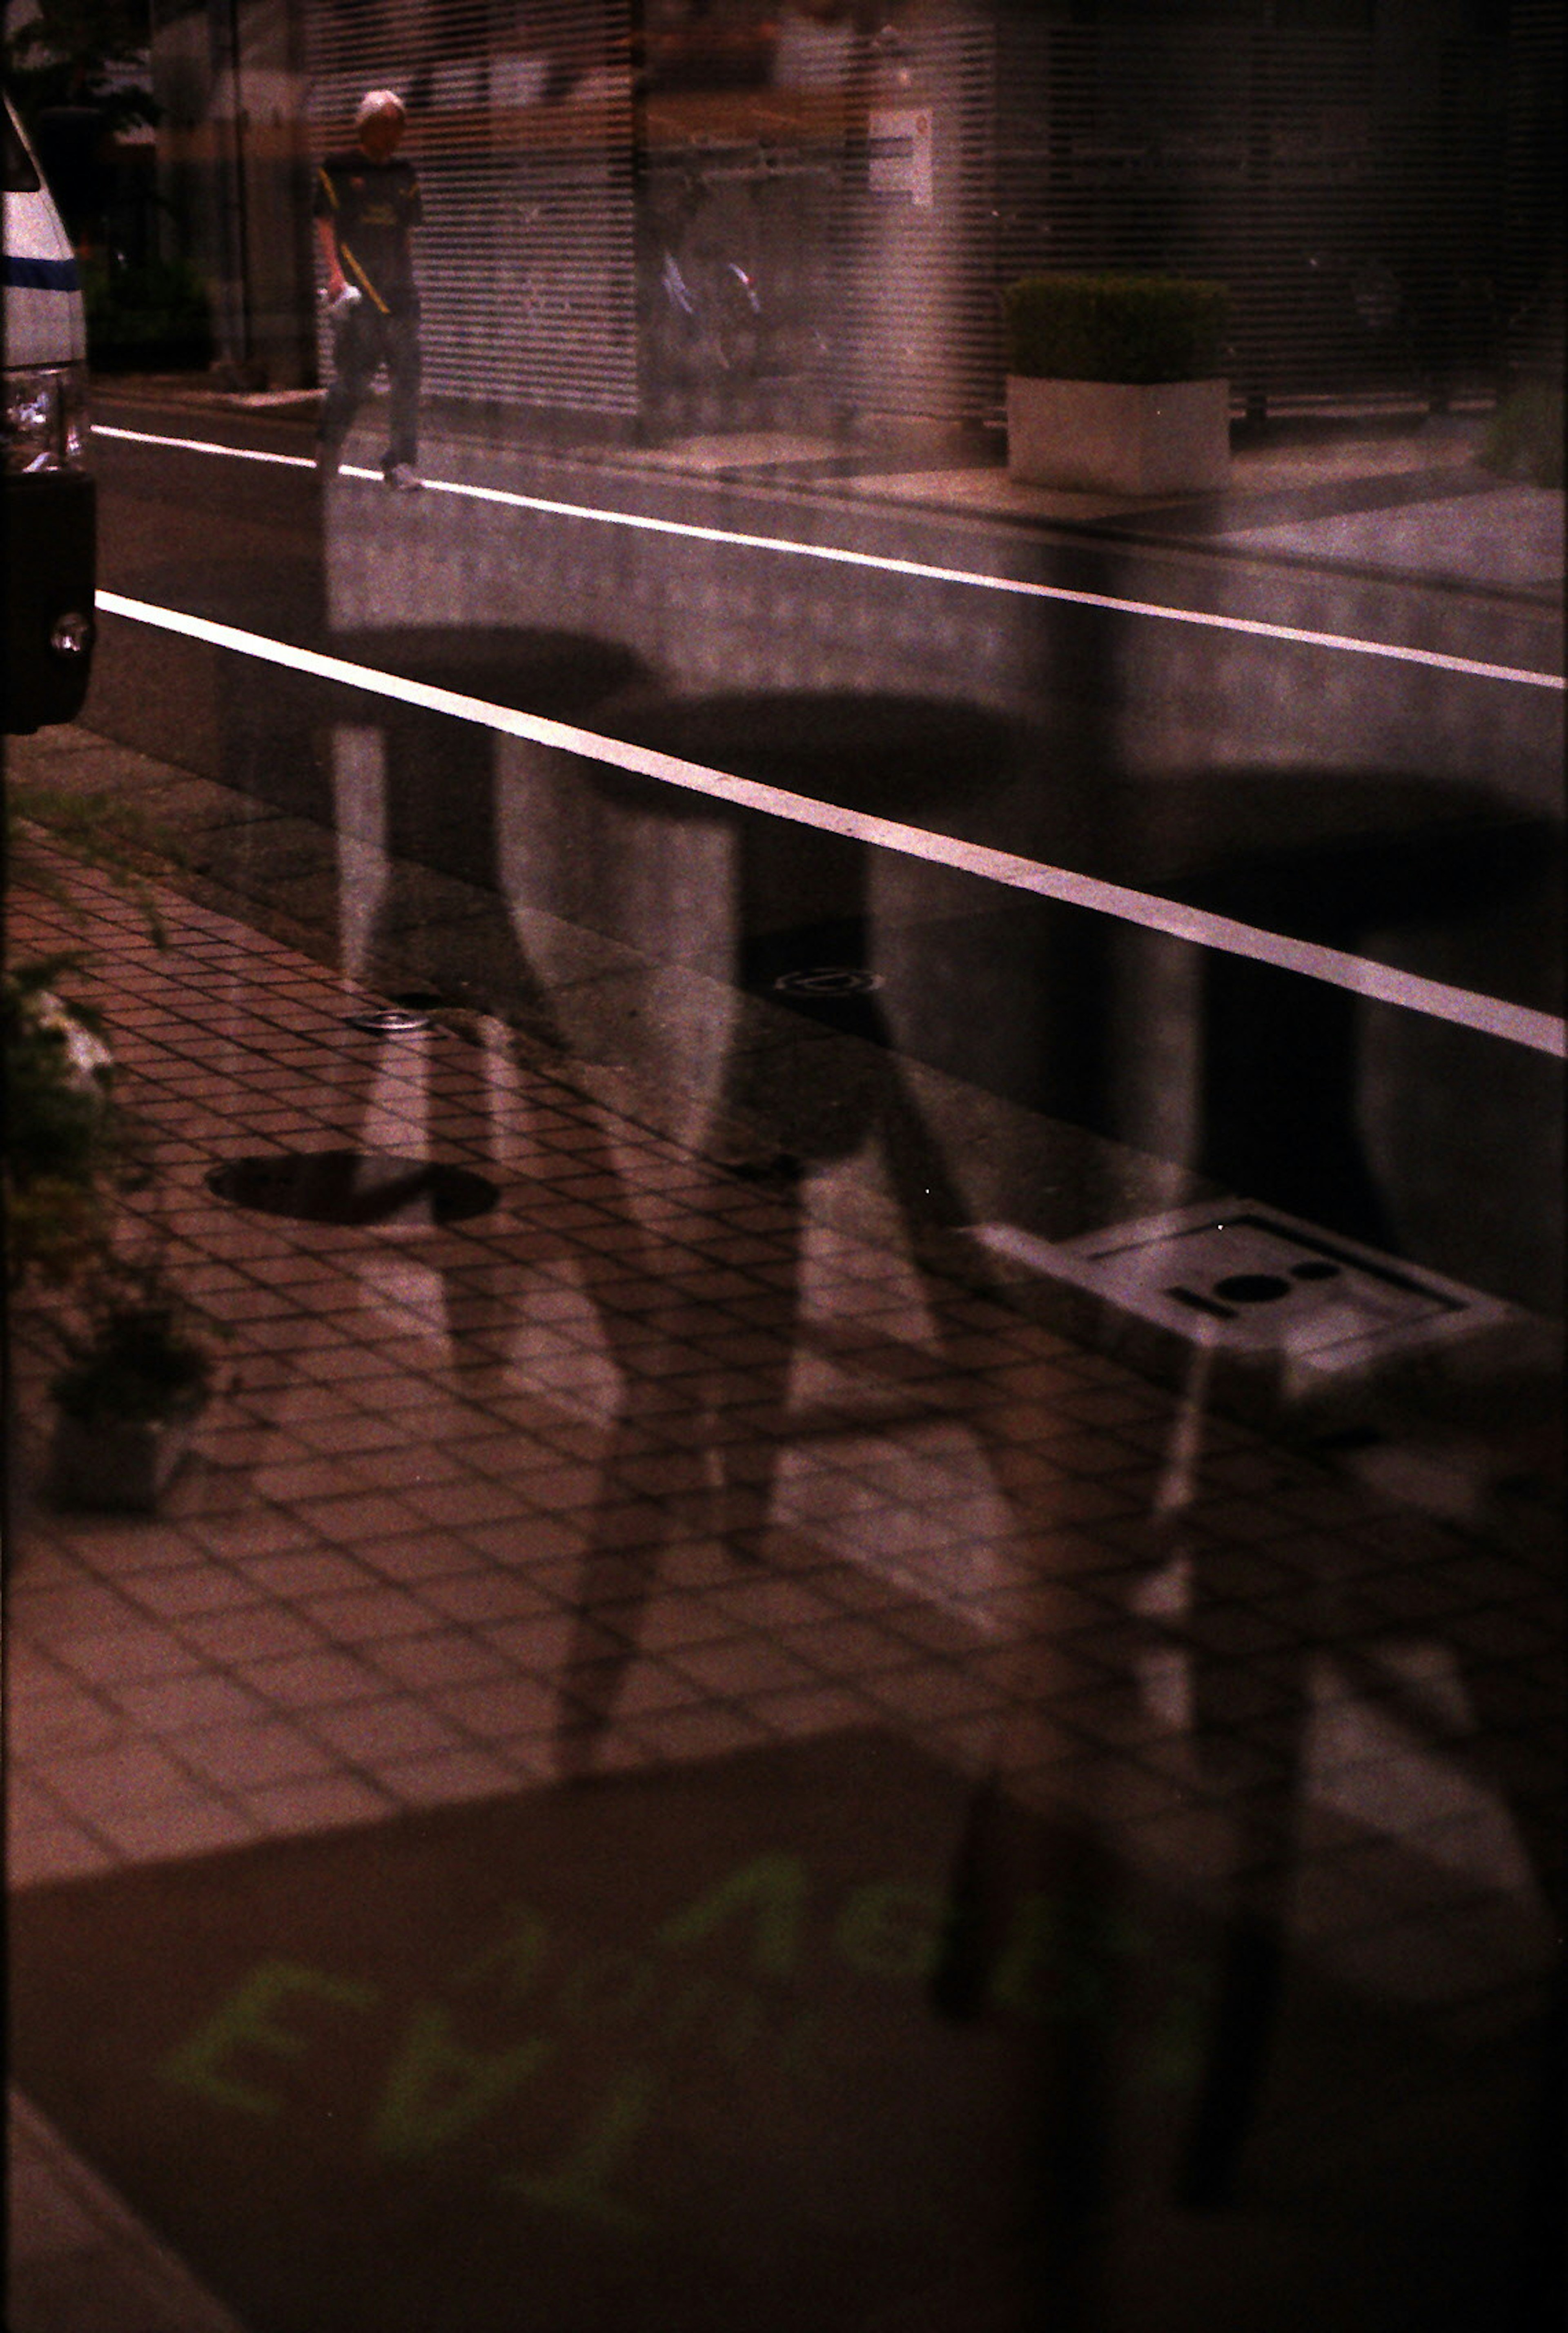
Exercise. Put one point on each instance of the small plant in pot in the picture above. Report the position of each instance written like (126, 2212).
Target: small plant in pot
(136, 1369)
(71, 1151)
(138, 1374)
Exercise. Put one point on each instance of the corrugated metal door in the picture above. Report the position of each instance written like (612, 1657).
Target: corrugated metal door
(1532, 267)
(917, 232)
(521, 129)
(1353, 212)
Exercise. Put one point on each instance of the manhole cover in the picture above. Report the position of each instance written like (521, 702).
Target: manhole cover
(352, 1186)
(391, 1020)
(828, 980)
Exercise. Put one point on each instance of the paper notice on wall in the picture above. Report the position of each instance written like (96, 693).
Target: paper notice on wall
(899, 141)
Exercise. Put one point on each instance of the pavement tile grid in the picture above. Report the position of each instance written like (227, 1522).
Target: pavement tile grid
(630, 1469)
(484, 1499)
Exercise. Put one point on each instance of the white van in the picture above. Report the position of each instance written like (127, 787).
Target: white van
(50, 512)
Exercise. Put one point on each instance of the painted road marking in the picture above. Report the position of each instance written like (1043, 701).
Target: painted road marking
(1516, 1023)
(1254, 626)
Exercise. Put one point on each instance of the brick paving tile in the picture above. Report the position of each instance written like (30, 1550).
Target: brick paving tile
(369, 1733)
(315, 1802)
(677, 1734)
(124, 1654)
(774, 1603)
(741, 1664)
(808, 1712)
(55, 1851)
(240, 1537)
(260, 1632)
(667, 1621)
(475, 1598)
(864, 1591)
(344, 1520)
(841, 1647)
(313, 1680)
(446, 1777)
(414, 1555)
(94, 1782)
(294, 1482)
(631, 1690)
(462, 1503)
(928, 1691)
(542, 1645)
(495, 1709)
(65, 1721)
(246, 1756)
(193, 1827)
(368, 1615)
(194, 1587)
(445, 1657)
(182, 1704)
(527, 1539)
(55, 1617)
(935, 1631)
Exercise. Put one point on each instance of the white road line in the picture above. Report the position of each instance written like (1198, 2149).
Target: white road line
(1514, 1023)
(1255, 627)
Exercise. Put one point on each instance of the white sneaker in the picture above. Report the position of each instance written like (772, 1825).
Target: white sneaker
(403, 478)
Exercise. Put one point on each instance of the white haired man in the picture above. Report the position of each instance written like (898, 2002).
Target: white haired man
(367, 204)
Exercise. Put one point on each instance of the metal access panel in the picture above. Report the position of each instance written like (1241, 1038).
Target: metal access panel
(1254, 1282)
(522, 135)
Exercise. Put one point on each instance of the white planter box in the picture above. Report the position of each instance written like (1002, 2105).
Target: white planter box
(1120, 438)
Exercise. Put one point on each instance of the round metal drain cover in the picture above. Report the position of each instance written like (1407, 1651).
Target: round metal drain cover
(828, 980)
(352, 1186)
(391, 1020)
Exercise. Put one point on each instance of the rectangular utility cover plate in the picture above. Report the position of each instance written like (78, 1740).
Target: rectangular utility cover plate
(1249, 1280)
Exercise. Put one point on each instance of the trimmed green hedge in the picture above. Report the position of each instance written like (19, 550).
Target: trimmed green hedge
(156, 317)
(1132, 328)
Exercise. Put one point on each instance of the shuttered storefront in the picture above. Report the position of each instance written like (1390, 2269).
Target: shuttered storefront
(1353, 218)
(524, 145)
(1533, 190)
(918, 228)
(776, 221)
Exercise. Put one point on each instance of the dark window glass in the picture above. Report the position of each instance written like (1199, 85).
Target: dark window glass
(21, 177)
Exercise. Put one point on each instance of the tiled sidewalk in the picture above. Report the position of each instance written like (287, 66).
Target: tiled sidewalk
(653, 1461)
(366, 1592)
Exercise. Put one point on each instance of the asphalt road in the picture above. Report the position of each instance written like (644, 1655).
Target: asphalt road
(1360, 766)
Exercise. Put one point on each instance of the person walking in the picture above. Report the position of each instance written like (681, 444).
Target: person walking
(367, 202)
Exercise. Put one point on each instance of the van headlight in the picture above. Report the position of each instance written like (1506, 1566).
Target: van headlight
(46, 424)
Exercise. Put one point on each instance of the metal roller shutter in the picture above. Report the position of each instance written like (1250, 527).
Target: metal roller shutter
(521, 127)
(1533, 263)
(918, 228)
(1355, 219)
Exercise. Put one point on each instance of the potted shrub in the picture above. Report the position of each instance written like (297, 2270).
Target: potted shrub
(137, 1376)
(136, 1372)
(1114, 384)
(69, 1148)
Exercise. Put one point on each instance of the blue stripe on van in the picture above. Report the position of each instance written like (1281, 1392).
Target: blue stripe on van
(42, 275)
